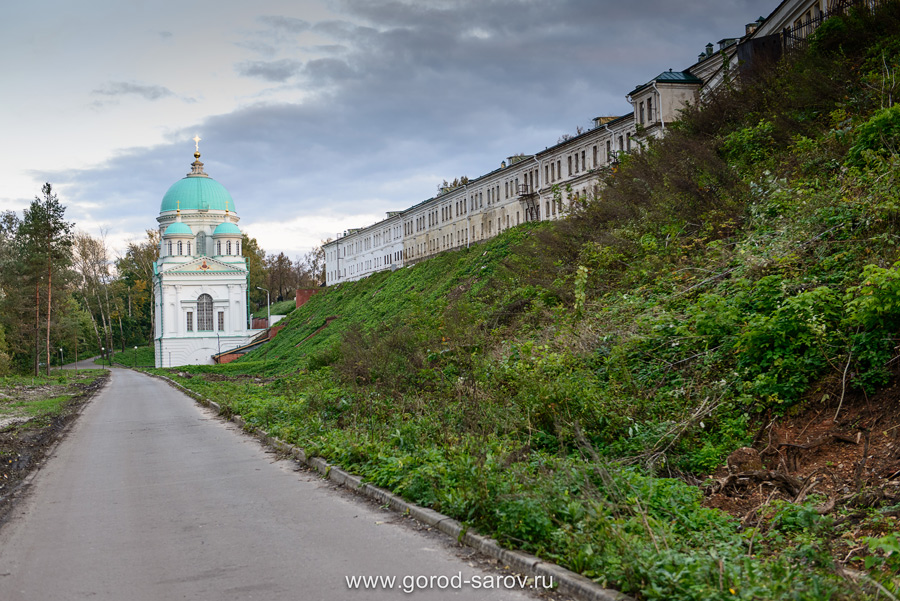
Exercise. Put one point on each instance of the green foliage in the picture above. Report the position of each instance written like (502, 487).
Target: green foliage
(750, 145)
(782, 351)
(879, 135)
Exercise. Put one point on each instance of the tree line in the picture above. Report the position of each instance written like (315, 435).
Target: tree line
(65, 295)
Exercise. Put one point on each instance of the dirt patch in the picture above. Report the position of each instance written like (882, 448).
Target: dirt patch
(24, 444)
(845, 451)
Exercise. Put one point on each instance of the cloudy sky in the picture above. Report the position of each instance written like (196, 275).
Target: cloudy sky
(317, 115)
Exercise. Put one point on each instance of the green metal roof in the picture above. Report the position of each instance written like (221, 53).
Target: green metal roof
(194, 193)
(227, 228)
(670, 77)
(179, 228)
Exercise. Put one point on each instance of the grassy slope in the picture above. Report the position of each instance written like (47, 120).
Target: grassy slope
(541, 385)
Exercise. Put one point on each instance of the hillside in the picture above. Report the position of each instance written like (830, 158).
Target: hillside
(576, 388)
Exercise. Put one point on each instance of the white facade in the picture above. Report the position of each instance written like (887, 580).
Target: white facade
(200, 278)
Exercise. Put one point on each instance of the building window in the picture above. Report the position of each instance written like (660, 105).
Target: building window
(201, 243)
(238, 247)
(180, 248)
(228, 247)
(559, 168)
(641, 117)
(583, 163)
(546, 173)
(221, 321)
(170, 248)
(594, 155)
(204, 313)
(608, 153)
(552, 172)
(650, 110)
(189, 249)
(190, 321)
(219, 247)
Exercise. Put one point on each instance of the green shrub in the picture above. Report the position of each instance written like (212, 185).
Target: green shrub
(879, 135)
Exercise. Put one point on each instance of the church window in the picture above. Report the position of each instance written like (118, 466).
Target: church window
(238, 248)
(201, 243)
(228, 247)
(189, 248)
(218, 247)
(170, 248)
(204, 313)
(180, 248)
(221, 321)
(190, 321)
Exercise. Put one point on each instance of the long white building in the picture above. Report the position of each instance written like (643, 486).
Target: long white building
(543, 185)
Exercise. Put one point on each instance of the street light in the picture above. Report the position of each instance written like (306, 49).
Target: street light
(134, 361)
(102, 353)
(268, 308)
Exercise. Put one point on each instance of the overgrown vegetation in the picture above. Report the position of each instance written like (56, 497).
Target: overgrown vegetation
(565, 387)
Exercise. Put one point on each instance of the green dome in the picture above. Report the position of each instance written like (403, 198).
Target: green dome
(197, 193)
(226, 228)
(179, 228)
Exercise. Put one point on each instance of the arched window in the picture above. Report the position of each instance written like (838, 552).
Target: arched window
(201, 243)
(189, 248)
(228, 247)
(180, 248)
(238, 251)
(218, 247)
(170, 248)
(204, 313)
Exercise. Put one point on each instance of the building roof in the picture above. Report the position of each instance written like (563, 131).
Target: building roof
(227, 228)
(179, 228)
(194, 193)
(670, 77)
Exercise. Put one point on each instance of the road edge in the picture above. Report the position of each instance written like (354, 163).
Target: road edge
(570, 582)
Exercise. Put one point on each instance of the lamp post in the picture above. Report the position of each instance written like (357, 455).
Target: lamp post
(134, 362)
(268, 308)
(61, 358)
(102, 354)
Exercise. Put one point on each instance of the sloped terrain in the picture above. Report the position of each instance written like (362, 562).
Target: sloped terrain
(576, 388)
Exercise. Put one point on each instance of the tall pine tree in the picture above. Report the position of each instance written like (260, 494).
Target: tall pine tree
(46, 244)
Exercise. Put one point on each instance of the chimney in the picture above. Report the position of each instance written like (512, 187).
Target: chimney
(750, 28)
(709, 49)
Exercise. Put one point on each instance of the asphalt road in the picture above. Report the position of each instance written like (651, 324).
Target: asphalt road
(151, 497)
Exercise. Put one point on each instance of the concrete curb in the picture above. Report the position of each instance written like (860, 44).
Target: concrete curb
(569, 582)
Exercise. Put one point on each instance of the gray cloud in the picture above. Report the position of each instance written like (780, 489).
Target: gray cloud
(125, 88)
(276, 71)
(288, 24)
(415, 93)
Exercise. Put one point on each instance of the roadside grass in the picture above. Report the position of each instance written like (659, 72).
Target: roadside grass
(24, 398)
(143, 356)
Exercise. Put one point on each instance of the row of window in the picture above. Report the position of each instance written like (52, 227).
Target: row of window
(178, 248)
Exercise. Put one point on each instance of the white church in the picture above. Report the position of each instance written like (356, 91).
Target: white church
(200, 278)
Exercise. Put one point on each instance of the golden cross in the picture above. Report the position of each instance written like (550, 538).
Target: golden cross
(197, 143)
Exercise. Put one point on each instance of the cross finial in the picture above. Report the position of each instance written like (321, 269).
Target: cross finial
(197, 139)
